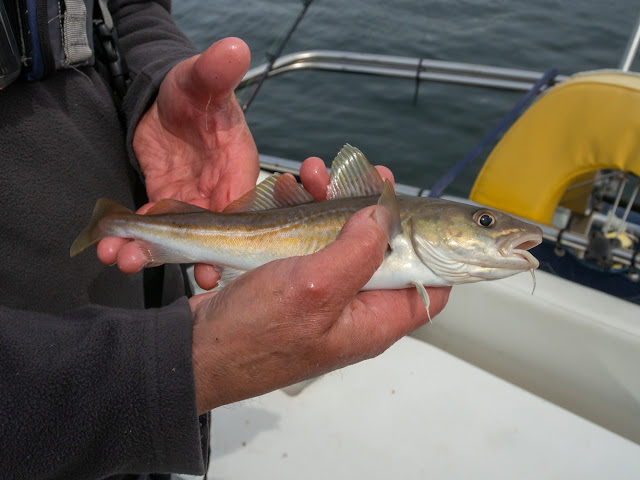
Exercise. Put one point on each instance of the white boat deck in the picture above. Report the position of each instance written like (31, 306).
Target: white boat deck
(415, 412)
(421, 410)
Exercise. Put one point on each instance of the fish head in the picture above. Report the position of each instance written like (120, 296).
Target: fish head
(463, 243)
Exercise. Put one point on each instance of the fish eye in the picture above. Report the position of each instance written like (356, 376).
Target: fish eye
(485, 218)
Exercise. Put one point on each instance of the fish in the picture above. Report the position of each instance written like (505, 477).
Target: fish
(431, 241)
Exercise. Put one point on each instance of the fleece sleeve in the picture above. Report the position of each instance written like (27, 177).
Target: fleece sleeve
(152, 45)
(97, 392)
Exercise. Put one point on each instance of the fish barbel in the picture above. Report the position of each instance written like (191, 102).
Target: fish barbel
(433, 242)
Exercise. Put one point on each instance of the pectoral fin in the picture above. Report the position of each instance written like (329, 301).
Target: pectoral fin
(424, 296)
(388, 212)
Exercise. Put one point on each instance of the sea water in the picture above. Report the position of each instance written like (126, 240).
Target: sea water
(314, 113)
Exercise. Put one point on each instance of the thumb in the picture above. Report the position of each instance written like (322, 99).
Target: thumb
(346, 265)
(216, 73)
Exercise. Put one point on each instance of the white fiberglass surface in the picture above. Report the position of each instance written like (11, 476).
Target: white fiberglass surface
(572, 345)
(415, 412)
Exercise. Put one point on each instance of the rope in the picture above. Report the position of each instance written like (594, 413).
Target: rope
(507, 120)
(274, 56)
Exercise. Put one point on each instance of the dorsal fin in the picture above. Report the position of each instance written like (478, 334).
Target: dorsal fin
(274, 192)
(169, 205)
(352, 175)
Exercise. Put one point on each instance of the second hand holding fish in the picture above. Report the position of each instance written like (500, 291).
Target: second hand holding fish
(312, 318)
(193, 144)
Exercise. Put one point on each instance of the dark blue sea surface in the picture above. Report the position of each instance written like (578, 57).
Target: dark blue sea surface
(312, 113)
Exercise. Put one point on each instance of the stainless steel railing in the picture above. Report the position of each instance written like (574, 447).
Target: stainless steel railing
(400, 67)
(632, 48)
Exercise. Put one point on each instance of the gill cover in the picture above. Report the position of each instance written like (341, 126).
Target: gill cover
(435, 258)
(353, 176)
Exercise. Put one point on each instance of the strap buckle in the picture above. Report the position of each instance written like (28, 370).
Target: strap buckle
(108, 50)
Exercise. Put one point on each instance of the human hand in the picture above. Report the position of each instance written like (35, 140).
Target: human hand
(300, 317)
(314, 177)
(193, 144)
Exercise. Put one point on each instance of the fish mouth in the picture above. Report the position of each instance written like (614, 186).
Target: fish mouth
(517, 246)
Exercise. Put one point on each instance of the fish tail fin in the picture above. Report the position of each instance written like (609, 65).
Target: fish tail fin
(97, 229)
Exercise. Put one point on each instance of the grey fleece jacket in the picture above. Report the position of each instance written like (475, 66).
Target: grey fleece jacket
(91, 383)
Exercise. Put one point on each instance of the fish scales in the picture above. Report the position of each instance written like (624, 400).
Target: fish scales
(431, 241)
(238, 240)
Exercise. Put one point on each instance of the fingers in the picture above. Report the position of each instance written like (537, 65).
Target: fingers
(107, 249)
(206, 276)
(379, 318)
(131, 258)
(385, 173)
(315, 177)
(216, 72)
(128, 254)
(335, 274)
(400, 312)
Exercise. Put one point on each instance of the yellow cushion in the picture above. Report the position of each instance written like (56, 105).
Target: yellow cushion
(587, 123)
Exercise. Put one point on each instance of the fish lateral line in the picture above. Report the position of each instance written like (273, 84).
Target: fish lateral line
(432, 242)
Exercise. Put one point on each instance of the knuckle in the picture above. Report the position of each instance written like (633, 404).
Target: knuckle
(311, 287)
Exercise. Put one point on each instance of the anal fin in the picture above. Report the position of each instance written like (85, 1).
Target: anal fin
(159, 254)
(228, 275)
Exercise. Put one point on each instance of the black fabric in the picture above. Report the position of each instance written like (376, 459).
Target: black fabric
(117, 398)
(145, 29)
(91, 383)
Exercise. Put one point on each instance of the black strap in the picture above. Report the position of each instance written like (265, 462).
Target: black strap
(107, 50)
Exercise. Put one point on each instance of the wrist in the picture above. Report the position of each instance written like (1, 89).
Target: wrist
(203, 373)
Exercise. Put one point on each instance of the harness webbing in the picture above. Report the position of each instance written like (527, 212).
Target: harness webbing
(77, 50)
